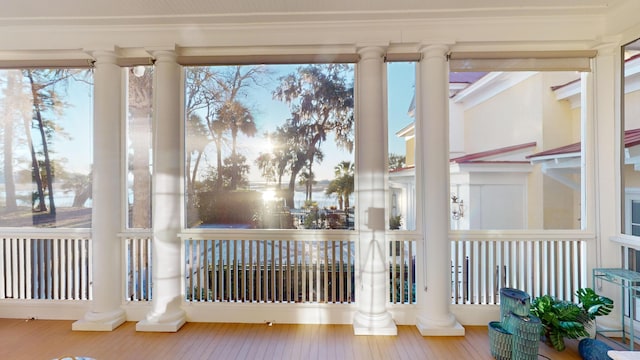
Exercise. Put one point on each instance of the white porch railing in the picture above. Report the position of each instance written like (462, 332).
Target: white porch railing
(402, 267)
(52, 267)
(312, 268)
(137, 255)
(298, 267)
(542, 263)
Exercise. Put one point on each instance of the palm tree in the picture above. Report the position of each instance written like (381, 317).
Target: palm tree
(343, 184)
(307, 179)
(238, 119)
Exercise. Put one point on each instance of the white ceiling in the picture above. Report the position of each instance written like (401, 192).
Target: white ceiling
(44, 12)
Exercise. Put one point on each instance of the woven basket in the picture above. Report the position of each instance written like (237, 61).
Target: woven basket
(526, 336)
(514, 301)
(500, 341)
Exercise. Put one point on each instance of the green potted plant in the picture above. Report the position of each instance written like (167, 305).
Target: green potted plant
(563, 319)
(594, 304)
(560, 319)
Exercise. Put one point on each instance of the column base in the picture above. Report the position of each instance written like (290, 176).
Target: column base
(450, 327)
(100, 321)
(150, 326)
(162, 322)
(374, 325)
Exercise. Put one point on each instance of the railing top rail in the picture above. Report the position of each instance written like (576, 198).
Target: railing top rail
(400, 235)
(268, 234)
(523, 235)
(136, 233)
(45, 233)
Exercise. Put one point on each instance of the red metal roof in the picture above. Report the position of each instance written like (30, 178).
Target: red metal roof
(475, 157)
(402, 169)
(556, 87)
(631, 138)
(567, 149)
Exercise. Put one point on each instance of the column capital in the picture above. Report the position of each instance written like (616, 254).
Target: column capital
(163, 53)
(434, 50)
(104, 55)
(371, 51)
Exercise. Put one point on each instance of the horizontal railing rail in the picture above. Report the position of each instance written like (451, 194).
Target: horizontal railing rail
(542, 263)
(55, 266)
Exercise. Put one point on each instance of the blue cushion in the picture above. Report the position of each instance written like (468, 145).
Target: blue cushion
(592, 349)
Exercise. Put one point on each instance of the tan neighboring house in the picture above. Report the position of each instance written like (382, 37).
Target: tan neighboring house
(509, 164)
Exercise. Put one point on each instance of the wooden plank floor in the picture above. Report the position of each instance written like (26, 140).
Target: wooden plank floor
(49, 339)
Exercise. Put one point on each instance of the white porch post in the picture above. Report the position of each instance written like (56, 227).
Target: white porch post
(166, 313)
(372, 317)
(608, 187)
(432, 135)
(105, 313)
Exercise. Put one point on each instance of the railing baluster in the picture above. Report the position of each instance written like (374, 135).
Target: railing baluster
(286, 268)
(265, 272)
(281, 283)
(148, 273)
(334, 272)
(77, 263)
(131, 276)
(303, 273)
(142, 268)
(188, 269)
(455, 281)
(243, 265)
(36, 245)
(85, 271)
(404, 288)
(21, 258)
(326, 271)
(55, 256)
(251, 273)
(11, 268)
(3, 270)
(133, 258)
(341, 268)
(235, 273)
(486, 272)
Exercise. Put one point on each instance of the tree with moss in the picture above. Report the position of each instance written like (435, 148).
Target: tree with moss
(320, 98)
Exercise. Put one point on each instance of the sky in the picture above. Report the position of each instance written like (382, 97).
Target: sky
(78, 123)
(401, 80)
(75, 120)
(268, 114)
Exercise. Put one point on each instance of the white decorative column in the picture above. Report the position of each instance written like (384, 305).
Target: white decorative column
(432, 138)
(607, 190)
(105, 313)
(166, 314)
(372, 317)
